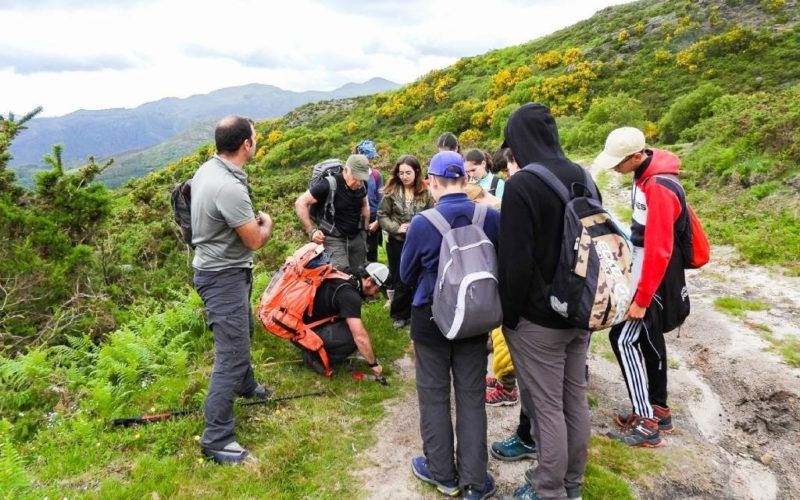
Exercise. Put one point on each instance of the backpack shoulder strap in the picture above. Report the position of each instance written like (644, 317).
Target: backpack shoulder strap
(437, 219)
(670, 177)
(479, 215)
(549, 179)
(590, 185)
(493, 186)
(329, 206)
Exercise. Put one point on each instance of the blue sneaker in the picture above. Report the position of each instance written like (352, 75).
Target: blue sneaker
(419, 467)
(525, 492)
(472, 493)
(512, 449)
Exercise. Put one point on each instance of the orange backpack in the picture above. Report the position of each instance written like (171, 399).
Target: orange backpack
(290, 295)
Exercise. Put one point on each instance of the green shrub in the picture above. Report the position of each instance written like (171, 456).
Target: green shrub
(687, 110)
(604, 115)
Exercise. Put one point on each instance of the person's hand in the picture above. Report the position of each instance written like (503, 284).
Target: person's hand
(377, 370)
(263, 218)
(317, 236)
(373, 226)
(635, 311)
(403, 228)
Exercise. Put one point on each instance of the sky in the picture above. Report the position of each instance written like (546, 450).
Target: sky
(66, 55)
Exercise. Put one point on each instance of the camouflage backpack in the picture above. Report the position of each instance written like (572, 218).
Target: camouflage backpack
(593, 283)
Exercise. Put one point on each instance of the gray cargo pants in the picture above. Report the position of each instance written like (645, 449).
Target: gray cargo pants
(550, 366)
(226, 295)
(466, 360)
(347, 253)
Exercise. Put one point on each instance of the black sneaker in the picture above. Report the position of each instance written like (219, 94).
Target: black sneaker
(574, 493)
(260, 393)
(232, 453)
(311, 360)
(472, 493)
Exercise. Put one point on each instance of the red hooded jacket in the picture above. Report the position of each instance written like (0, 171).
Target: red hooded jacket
(656, 208)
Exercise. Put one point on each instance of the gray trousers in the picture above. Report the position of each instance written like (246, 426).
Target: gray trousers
(347, 253)
(466, 360)
(550, 366)
(226, 295)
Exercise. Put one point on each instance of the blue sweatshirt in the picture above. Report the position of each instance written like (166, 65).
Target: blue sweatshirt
(419, 262)
(374, 193)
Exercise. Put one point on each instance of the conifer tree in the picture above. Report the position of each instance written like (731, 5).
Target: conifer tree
(9, 128)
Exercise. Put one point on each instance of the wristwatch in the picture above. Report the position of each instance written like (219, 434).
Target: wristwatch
(373, 365)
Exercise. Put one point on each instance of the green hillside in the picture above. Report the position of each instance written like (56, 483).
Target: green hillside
(99, 319)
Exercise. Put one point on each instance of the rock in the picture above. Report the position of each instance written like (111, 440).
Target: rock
(766, 459)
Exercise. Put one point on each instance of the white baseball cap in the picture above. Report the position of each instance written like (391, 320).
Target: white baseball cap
(620, 143)
(378, 272)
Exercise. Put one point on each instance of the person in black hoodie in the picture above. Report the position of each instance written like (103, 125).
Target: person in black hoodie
(549, 354)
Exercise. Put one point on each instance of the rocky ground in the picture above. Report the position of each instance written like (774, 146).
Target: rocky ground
(736, 402)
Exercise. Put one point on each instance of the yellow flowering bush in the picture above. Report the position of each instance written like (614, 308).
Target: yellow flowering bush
(424, 125)
(470, 137)
(507, 79)
(549, 59)
(273, 137)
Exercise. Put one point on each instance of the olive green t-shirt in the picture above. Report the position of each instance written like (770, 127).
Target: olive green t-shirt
(220, 203)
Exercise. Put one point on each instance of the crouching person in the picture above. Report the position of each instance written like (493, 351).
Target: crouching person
(341, 299)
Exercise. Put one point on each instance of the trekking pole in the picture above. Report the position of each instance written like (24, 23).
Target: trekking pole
(159, 417)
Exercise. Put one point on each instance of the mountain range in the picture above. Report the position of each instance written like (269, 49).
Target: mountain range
(125, 133)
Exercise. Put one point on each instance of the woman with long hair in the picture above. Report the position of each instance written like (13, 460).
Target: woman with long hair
(404, 196)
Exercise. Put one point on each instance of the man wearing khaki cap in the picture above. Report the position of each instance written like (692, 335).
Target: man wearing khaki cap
(346, 241)
(661, 301)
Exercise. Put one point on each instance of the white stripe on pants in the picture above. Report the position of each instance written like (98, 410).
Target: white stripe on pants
(632, 364)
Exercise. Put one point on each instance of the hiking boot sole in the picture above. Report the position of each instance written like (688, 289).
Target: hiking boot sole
(441, 488)
(515, 458)
(501, 403)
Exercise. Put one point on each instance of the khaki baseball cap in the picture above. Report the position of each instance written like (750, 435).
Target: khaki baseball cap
(620, 144)
(358, 166)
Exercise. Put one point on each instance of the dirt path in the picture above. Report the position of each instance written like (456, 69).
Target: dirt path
(736, 404)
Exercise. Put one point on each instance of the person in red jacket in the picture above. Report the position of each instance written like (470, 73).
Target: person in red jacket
(661, 301)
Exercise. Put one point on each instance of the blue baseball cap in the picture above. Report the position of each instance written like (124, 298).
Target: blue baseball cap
(367, 148)
(447, 164)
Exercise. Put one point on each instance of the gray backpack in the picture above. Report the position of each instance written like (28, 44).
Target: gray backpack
(324, 213)
(466, 300)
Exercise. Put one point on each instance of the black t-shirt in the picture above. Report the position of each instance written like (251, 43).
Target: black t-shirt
(336, 297)
(346, 202)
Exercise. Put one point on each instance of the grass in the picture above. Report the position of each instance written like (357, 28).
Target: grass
(737, 306)
(787, 348)
(305, 447)
(612, 465)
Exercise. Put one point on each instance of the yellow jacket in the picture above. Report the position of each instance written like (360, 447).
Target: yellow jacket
(501, 359)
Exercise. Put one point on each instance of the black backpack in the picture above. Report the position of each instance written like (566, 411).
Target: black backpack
(181, 199)
(593, 283)
(323, 213)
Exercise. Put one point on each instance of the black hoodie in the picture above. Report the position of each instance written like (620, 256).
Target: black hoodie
(532, 218)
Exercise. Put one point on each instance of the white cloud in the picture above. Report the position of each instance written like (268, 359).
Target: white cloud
(92, 54)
